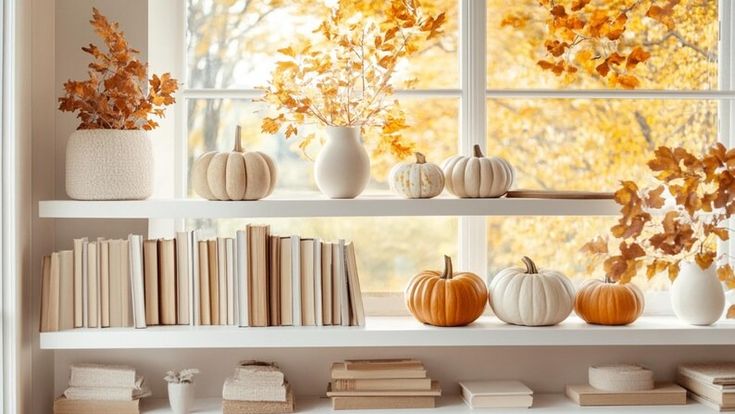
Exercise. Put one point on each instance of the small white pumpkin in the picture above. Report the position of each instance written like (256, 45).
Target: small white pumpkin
(417, 180)
(478, 176)
(531, 297)
(236, 175)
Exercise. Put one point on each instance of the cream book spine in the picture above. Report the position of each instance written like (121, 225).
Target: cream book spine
(318, 317)
(344, 290)
(204, 296)
(79, 265)
(85, 283)
(126, 289)
(135, 271)
(308, 316)
(66, 289)
(243, 279)
(92, 285)
(167, 282)
(213, 282)
(336, 286)
(115, 263)
(104, 248)
(296, 317)
(222, 280)
(183, 277)
(54, 293)
(230, 278)
(45, 292)
(356, 305)
(194, 305)
(286, 292)
(326, 277)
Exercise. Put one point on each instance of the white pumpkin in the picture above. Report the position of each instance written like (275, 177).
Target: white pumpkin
(417, 180)
(236, 175)
(531, 297)
(478, 176)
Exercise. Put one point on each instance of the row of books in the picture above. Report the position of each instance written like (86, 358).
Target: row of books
(712, 384)
(253, 279)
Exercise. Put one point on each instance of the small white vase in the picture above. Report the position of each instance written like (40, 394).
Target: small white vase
(697, 295)
(181, 397)
(109, 164)
(342, 168)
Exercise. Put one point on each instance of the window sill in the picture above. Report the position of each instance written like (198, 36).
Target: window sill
(397, 332)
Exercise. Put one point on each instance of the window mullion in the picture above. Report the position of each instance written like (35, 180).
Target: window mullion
(726, 81)
(473, 78)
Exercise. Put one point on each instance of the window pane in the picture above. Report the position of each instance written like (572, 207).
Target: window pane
(389, 250)
(552, 243)
(233, 44)
(211, 125)
(592, 144)
(683, 55)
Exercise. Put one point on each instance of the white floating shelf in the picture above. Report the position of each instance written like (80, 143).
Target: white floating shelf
(542, 403)
(396, 332)
(315, 205)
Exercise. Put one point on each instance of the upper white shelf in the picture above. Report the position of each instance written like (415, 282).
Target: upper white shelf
(397, 332)
(316, 205)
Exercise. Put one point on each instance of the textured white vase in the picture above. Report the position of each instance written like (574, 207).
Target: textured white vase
(697, 295)
(181, 397)
(109, 164)
(342, 168)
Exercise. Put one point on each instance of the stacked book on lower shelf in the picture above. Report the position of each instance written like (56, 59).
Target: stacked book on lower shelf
(95, 389)
(257, 387)
(712, 384)
(254, 279)
(386, 383)
(496, 394)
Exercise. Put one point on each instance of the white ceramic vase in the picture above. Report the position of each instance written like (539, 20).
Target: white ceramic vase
(697, 295)
(109, 164)
(181, 397)
(342, 168)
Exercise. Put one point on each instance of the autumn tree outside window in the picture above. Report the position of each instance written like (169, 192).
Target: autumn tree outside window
(570, 130)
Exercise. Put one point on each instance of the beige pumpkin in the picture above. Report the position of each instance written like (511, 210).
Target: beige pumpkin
(236, 175)
(478, 176)
(417, 180)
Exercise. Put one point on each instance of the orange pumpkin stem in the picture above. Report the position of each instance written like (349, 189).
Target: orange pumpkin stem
(448, 271)
(477, 151)
(238, 140)
(420, 158)
(530, 265)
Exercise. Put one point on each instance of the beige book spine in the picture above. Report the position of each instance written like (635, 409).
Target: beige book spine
(93, 287)
(66, 290)
(284, 272)
(213, 282)
(150, 272)
(362, 403)
(45, 293)
(204, 306)
(167, 281)
(104, 248)
(126, 290)
(274, 278)
(54, 293)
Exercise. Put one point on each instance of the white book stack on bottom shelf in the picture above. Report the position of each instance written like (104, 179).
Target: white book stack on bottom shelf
(496, 394)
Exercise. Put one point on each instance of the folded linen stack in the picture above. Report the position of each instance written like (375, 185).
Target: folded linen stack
(95, 388)
(257, 387)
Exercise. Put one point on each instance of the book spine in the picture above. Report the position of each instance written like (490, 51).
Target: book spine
(230, 271)
(296, 280)
(136, 280)
(195, 306)
(243, 278)
(318, 317)
(344, 301)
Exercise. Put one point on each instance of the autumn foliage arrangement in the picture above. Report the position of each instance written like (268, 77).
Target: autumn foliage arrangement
(680, 218)
(591, 36)
(347, 81)
(115, 95)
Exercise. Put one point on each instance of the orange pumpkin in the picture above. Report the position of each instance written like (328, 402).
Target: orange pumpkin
(604, 303)
(446, 298)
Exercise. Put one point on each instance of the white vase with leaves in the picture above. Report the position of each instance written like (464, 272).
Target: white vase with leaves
(344, 83)
(181, 390)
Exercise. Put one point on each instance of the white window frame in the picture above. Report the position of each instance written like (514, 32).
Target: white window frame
(473, 94)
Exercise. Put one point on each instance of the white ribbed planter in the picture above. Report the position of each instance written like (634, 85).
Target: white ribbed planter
(342, 168)
(697, 295)
(109, 164)
(181, 397)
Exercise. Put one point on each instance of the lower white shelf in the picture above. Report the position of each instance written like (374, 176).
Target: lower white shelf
(397, 332)
(542, 403)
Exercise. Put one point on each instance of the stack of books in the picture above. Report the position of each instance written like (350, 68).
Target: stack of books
(496, 394)
(381, 383)
(95, 389)
(253, 279)
(712, 384)
(257, 387)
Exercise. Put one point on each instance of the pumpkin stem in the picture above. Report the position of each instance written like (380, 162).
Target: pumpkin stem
(420, 158)
(477, 151)
(238, 139)
(448, 272)
(530, 265)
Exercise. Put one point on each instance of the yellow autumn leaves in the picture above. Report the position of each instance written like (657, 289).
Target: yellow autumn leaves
(348, 79)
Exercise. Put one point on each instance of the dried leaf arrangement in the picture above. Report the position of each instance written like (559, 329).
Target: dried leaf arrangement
(185, 376)
(115, 96)
(681, 217)
(591, 36)
(348, 79)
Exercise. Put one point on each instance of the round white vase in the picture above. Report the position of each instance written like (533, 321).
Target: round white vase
(697, 295)
(342, 168)
(181, 397)
(109, 164)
